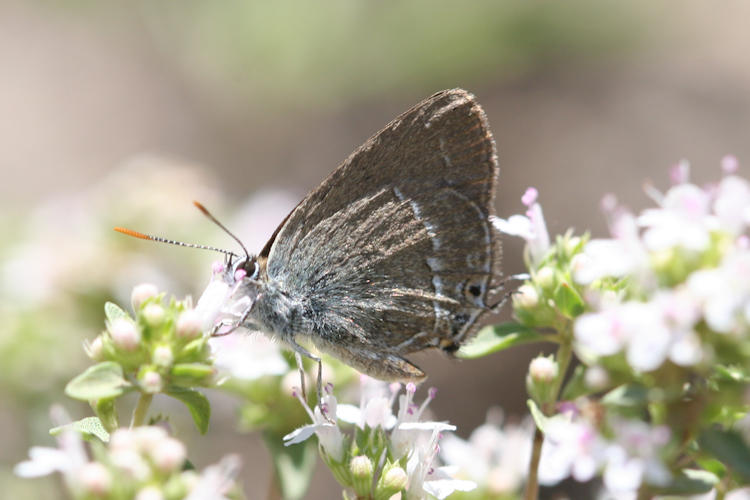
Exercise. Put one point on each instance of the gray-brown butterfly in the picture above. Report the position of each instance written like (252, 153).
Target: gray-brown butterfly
(393, 253)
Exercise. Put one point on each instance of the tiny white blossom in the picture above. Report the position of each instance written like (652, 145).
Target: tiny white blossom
(531, 227)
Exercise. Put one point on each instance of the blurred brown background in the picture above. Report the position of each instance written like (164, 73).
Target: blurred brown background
(584, 98)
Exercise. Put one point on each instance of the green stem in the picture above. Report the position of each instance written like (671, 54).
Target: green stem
(563, 357)
(141, 409)
(532, 483)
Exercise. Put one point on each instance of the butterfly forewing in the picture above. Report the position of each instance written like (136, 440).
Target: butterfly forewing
(394, 252)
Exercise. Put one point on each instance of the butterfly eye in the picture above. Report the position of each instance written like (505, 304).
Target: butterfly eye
(250, 267)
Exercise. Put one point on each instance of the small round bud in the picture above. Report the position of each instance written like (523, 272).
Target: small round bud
(540, 380)
(151, 382)
(125, 334)
(141, 293)
(395, 479)
(94, 349)
(169, 455)
(545, 277)
(149, 493)
(162, 356)
(596, 377)
(526, 297)
(189, 324)
(154, 315)
(361, 466)
(543, 369)
(95, 479)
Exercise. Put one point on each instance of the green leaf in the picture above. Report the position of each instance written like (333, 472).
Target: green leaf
(688, 482)
(293, 465)
(495, 338)
(89, 427)
(113, 312)
(730, 448)
(103, 380)
(628, 395)
(197, 403)
(568, 301)
(540, 419)
(105, 410)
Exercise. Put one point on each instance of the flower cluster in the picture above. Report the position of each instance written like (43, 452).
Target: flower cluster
(143, 463)
(659, 316)
(387, 453)
(495, 456)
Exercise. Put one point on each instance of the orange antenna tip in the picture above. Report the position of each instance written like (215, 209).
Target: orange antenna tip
(200, 207)
(134, 234)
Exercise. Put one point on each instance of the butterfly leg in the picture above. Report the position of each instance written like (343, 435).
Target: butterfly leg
(300, 351)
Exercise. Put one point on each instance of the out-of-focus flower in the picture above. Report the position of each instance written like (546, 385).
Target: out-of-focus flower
(248, 356)
(530, 227)
(574, 447)
(142, 459)
(495, 456)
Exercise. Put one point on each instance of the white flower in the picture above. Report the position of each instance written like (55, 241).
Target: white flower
(216, 480)
(424, 477)
(682, 221)
(248, 356)
(732, 204)
(494, 456)
(633, 457)
(69, 458)
(572, 448)
(530, 227)
(324, 426)
(724, 291)
(649, 332)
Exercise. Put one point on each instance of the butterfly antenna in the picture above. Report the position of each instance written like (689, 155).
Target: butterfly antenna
(216, 221)
(136, 234)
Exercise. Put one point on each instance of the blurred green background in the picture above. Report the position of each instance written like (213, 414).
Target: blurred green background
(122, 113)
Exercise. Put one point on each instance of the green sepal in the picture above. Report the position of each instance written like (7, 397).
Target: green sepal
(293, 465)
(495, 338)
(568, 301)
(196, 402)
(101, 381)
(89, 428)
(730, 448)
(105, 410)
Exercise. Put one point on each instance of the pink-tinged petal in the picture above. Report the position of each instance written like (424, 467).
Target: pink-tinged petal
(300, 434)
(515, 225)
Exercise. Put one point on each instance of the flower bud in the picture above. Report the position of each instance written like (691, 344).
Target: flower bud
(540, 381)
(94, 349)
(189, 324)
(526, 297)
(169, 455)
(361, 470)
(125, 334)
(95, 479)
(393, 480)
(154, 315)
(151, 382)
(545, 278)
(162, 356)
(141, 293)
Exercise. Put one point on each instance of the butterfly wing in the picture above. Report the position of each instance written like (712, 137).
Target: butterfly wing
(394, 252)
